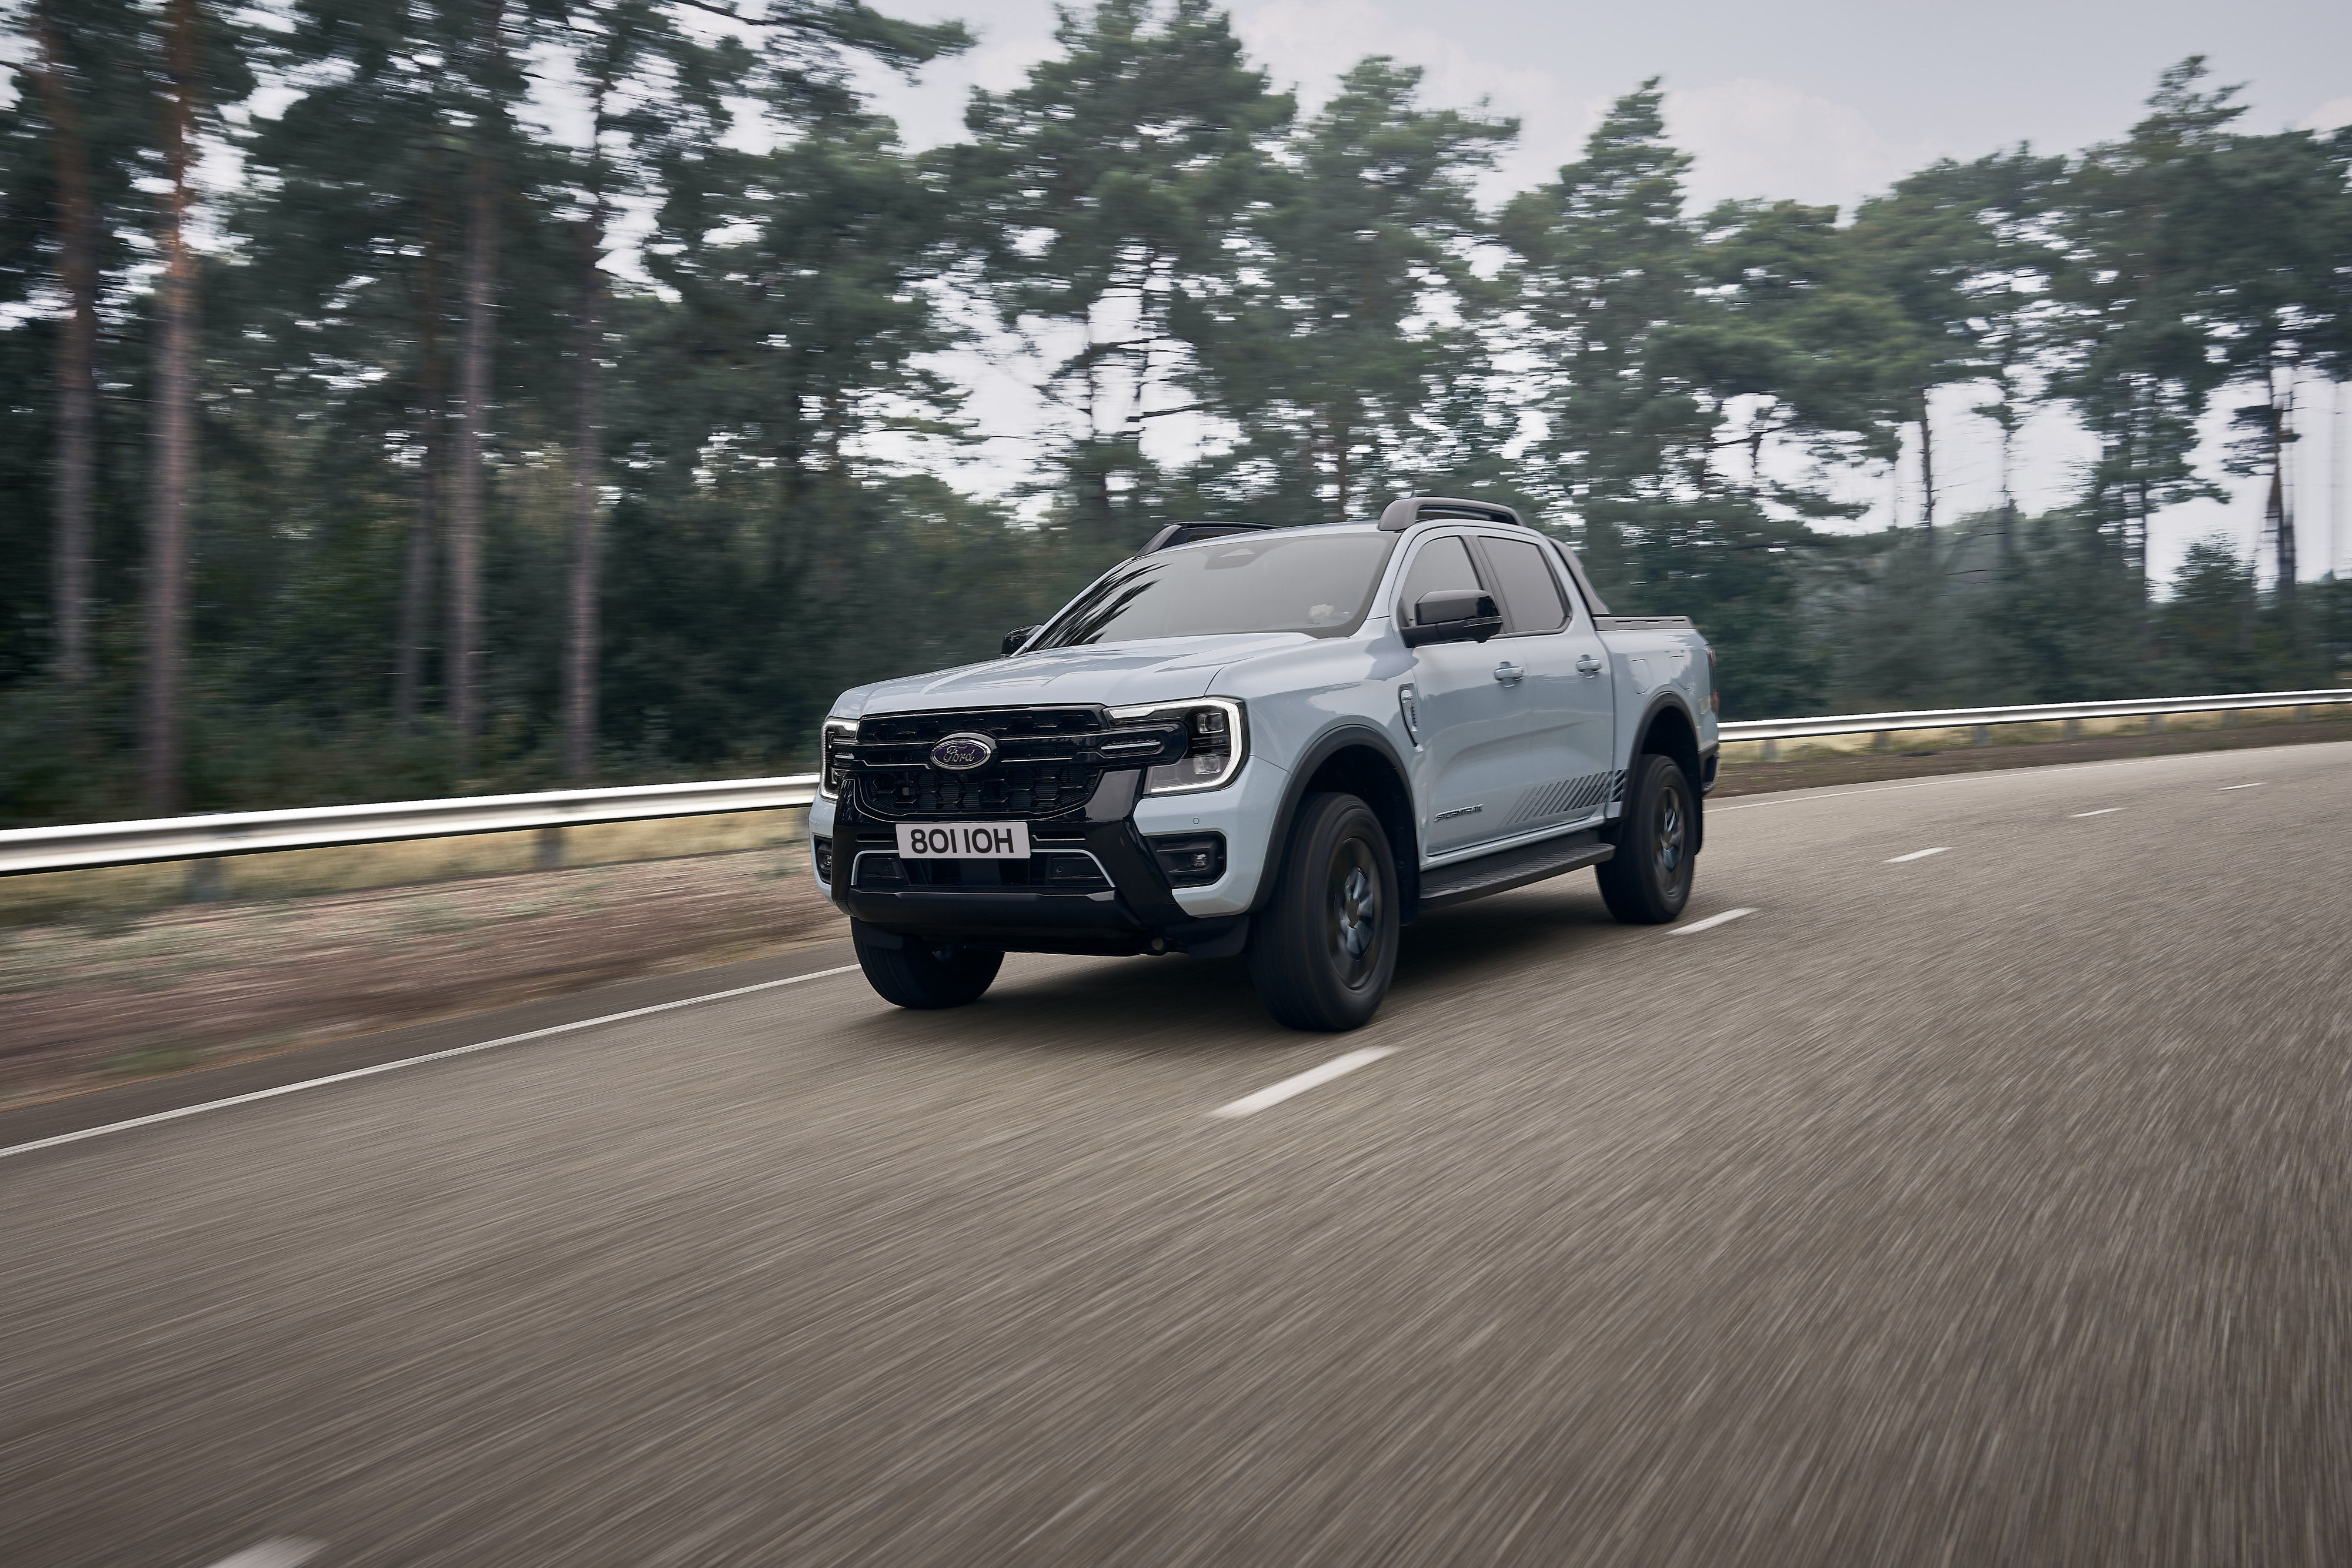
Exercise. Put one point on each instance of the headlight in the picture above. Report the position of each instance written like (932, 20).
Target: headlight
(838, 745)
(1216, 744)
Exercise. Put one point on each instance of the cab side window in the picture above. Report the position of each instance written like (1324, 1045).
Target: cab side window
(1531, 596)
(1441, 563)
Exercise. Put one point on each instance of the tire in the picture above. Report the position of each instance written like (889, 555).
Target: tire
(916, 976)
(1649, 879)
(1324, 948)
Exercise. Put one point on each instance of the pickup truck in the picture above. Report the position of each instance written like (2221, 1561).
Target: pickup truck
(1279, 742)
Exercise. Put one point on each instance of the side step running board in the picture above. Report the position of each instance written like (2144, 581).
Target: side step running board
(1507, 869)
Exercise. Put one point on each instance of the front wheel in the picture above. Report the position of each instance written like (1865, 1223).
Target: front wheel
(916, 976)
(1322, 951)
(1649, 879)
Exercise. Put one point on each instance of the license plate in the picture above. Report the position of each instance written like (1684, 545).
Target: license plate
(963, 840)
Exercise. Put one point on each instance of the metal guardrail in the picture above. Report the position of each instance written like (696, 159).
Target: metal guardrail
(254, 832)
(1972, 717)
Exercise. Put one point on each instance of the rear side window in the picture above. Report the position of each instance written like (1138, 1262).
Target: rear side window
(1443, 563)
(1525, 584)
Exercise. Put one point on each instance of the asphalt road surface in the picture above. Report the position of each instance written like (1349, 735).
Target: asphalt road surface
(1982, 1205)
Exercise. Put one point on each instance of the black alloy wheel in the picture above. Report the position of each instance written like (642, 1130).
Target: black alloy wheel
(1324, 948)
(1649, 879)
(919, 975)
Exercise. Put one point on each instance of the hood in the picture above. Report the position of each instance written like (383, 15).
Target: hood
(1119, 674)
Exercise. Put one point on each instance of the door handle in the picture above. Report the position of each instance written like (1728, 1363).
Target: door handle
(1588, 666)
(1508, 672)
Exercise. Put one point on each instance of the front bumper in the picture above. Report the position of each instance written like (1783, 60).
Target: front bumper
(1138, 911)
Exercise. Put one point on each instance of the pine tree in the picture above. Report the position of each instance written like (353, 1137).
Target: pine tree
(1955, 248)
(1356, 327)
(2274, 229)
(2134, 358)
(1608, 267)
(1103, 192)
(83, 122)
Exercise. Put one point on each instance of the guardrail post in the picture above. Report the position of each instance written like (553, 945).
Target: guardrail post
(1771, 751)
(1883, 741)
(2303, 715)
(1983, 735)
(207, 881)
(2074, 731)
(547, 852)
(2229, 718)
(2155, 724)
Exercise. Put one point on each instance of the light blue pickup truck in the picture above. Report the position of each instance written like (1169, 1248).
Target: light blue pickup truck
(1279, 742)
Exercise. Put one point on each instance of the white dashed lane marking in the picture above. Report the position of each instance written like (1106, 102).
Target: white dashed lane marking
(1917, 854)
(2256, 785)
(284, 1552)
(1711, 920)
(2100, 812)
(1275, 1093)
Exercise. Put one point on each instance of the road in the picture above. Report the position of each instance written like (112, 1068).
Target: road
(1983, 1206)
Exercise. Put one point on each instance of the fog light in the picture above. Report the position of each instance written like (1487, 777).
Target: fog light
(1190, 860)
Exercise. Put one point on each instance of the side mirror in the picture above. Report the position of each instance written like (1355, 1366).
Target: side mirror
(1453, 615)
(1012, 640)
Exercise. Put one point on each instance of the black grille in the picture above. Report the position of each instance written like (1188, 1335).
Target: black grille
(1049, 760)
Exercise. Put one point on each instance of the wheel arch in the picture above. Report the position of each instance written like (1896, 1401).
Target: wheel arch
(1670, 729)
(1362, 762)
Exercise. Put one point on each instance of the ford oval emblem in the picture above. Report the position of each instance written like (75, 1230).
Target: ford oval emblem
(962, 753)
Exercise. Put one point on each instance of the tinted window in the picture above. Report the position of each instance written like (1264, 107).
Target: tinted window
(1524, 581)
(1319, 584)
(1441, 563)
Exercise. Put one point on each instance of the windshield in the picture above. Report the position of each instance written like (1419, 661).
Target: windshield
(1317, 583)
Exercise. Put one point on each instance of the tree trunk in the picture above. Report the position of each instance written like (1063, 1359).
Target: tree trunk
(462, 647)
(2008, 482)
(173, 438)
(1343, 481)
(587, 466)
(1926, 469)
(424, 523)
(2280, 516)
(77, 380)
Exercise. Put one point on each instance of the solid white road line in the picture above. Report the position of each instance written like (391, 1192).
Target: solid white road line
(2256, 785)
(1275, 1093)
(2100, 812)
(1710, 922)
(407, 1061)
(1916, 855)
(286, 1553)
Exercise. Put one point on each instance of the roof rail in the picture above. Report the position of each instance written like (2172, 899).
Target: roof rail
(1400, 515)
(1176, 534)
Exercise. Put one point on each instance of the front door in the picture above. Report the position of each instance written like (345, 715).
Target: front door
(1475, 757)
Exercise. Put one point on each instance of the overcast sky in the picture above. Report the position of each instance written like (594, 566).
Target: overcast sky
(1824, 100)
(1811, 99)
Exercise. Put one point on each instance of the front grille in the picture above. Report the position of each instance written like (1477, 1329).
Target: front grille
(1049, 760)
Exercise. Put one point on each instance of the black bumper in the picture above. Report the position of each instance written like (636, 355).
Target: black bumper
(1136, 913)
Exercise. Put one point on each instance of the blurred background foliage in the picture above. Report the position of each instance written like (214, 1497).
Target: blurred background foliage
(613, 457)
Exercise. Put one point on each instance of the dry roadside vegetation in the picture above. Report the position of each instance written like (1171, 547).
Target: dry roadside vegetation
(113, 997)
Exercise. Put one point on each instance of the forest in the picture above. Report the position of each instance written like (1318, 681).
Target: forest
(370, 436)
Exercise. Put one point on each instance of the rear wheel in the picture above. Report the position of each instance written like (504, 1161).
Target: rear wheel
(1649, 879)
(1324, 948)
(919, 975)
